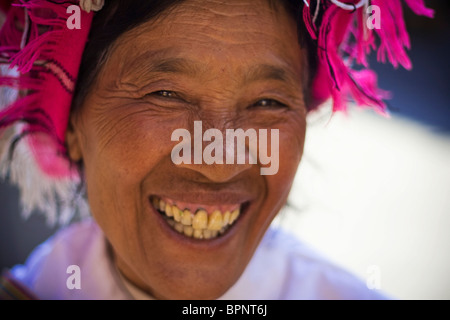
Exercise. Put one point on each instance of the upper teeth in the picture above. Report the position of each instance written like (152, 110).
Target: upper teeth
(200, 224)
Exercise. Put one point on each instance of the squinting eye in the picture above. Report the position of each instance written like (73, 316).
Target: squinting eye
(269, 103)
(165, 94)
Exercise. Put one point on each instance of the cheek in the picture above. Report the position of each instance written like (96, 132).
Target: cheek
(127, 147)
(290, 150)
(121, 152)
(291, 142)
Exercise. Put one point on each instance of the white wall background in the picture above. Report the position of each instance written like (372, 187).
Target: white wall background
(373, 191)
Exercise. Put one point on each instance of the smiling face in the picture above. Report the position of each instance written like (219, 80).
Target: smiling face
(188, 231)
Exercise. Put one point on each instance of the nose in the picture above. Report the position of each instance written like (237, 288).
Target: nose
(213, 154)
(218, 173)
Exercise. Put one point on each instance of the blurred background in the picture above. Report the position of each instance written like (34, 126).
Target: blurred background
(372, 193)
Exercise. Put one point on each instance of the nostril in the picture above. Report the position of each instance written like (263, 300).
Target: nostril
(221, 173)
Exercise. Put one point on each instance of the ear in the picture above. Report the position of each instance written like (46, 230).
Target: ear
(73, 142)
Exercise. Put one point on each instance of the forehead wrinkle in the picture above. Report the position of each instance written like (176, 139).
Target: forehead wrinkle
(266, 72)
(159, 61)
(173, 60)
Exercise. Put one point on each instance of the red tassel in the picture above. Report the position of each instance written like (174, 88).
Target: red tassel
(418, 7)
(308, 22)
(335, 76)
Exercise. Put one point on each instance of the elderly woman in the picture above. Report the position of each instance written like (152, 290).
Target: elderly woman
(100, 96)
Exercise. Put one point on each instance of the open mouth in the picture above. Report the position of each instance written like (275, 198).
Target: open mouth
(198, 221)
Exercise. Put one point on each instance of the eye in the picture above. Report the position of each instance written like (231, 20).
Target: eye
(165, 94)
(166, 97)
(269, 103)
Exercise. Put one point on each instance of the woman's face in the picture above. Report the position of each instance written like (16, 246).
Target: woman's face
(231, 65)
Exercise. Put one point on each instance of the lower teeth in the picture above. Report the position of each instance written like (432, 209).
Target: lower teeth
(194, 233)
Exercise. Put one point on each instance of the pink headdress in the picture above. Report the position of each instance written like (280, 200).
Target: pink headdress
(42, 57)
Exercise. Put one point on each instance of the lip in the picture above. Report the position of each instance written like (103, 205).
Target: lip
(232, 198)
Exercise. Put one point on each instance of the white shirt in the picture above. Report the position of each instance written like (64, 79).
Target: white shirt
(281, 268)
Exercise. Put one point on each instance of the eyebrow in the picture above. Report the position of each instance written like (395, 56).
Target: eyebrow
(174, 65)
(152, 62)
(267, 72)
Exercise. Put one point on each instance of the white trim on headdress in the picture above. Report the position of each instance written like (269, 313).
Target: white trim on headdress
(91, 5)
(57, 199)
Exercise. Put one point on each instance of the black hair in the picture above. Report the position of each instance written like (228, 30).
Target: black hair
(120, 16)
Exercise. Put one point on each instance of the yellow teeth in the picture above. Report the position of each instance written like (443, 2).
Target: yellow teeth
(207, 234)
(168, 210)
(179, 227)
(198, 234)
(162, 205)
(234, 215)
(198, 225)
(186, 218)
(200, 220)
(215, 221)
(226, 218)
(176, 214)
(188, 231)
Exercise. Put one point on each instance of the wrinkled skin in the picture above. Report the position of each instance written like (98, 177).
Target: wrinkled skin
(235, 64)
